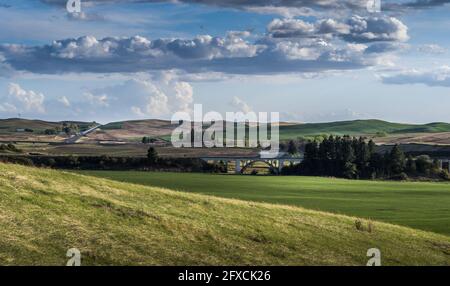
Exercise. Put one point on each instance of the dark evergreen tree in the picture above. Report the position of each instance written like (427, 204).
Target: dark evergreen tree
(152, 155)
(396, 161)
(292, 147)
(411, 167)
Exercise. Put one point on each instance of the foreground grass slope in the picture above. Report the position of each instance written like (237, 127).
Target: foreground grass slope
(45, 212)
(421, 205)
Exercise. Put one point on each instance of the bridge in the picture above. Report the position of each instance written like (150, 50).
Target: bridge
(444, 163)
(74, 138)
(242, 163)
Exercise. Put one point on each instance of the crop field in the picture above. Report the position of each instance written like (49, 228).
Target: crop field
(421, 205)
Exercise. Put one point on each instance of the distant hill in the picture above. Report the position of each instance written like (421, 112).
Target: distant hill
(134, 130)
(45, 212)
(359, 127)
(294, 130)
(11, 125)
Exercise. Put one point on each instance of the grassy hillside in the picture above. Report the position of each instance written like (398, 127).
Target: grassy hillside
(138, 124)
(10, 125)
(44, 212)
(357, 127)
(419, 205)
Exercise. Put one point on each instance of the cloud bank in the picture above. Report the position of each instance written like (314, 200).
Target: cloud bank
(436, 77)
(242, 4)
(290, 45)
(356, 29)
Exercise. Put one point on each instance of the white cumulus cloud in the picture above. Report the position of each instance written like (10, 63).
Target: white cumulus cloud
(19, 100)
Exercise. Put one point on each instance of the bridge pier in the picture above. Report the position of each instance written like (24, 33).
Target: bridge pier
(237, 167)
(280, 166)
(441, 164)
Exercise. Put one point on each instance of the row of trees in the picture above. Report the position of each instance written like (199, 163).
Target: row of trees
(148, 140)
(9, 148)
(68, 128)
(151, 162)
(355, 158)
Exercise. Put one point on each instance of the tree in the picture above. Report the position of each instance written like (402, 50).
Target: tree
(292, 148)
(396, 161)
(349, 170)
(363, 154)
(152, 155)
(411, 167)
(371, 146)
(50, 131)
(423, 165)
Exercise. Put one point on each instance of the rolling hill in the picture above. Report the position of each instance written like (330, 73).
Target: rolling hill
(10, 125)
(134, 130)
(293, 130)
(359, 127)
(45, 212)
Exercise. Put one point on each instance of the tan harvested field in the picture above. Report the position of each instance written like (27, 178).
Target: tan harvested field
(134, 149)
(30, 138)
(130, 130)
(442, 138)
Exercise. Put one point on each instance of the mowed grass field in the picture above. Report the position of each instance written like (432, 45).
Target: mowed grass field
(45, 212)
(420, 205)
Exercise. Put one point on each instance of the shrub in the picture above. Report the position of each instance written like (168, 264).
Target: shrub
(400, 177)
(50, 132)
(359, 225)
(444, 175)
(10, 147)
(370, 227)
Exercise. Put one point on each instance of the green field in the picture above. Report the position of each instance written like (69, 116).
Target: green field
(45, 212)
(415, 204)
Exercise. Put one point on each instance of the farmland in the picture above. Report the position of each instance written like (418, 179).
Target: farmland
(421, 205)
(382, 132)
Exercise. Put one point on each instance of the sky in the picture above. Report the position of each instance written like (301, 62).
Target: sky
(309, 60)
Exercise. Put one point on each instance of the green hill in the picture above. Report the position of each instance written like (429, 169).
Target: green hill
(358, 127)
(11, 125)
(43, 213)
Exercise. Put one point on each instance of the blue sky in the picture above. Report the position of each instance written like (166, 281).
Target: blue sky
(119, 59)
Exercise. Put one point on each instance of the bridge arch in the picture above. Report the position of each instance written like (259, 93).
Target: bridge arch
(248, 164)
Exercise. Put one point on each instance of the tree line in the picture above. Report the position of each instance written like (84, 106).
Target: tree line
(354, 158)
(152, 162)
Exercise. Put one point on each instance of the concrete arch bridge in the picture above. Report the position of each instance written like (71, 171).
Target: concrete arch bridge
(241, 164)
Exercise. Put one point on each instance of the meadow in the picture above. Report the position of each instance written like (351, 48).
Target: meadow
(45, 212)
(421, 205)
